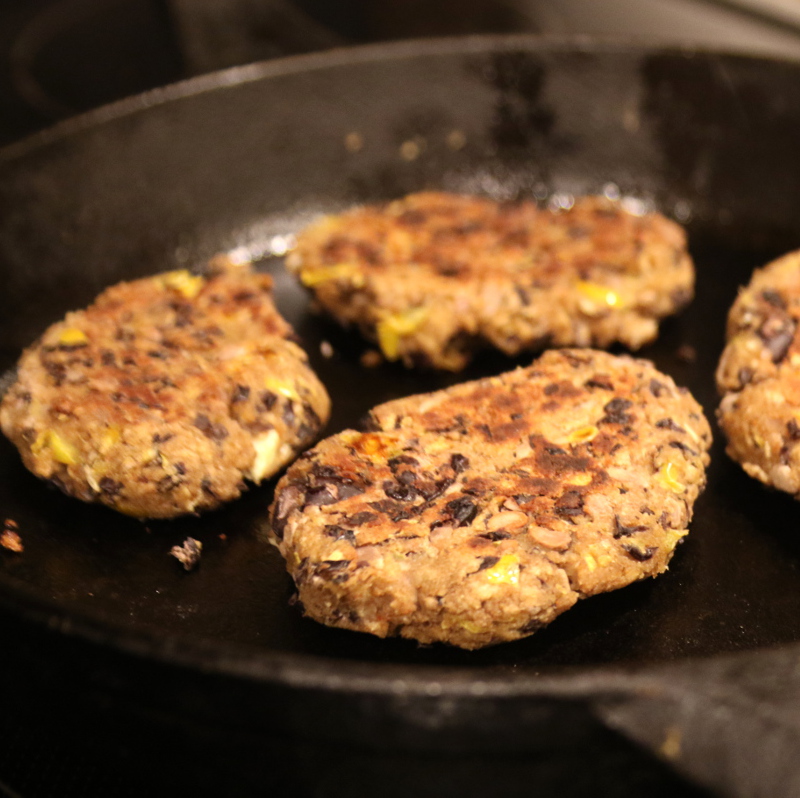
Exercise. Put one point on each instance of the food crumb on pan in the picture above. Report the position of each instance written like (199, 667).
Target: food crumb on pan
(188, 553)
(354, 142)
(325, 349)
(371, 359)
(686, 353)
(9, 537)
(411, 149)
(456, 140)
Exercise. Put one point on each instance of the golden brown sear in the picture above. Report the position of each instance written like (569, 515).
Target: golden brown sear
(478, 514)
(435, 276)
(166, 394)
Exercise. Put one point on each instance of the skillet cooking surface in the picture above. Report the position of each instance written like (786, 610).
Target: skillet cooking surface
(242, 159)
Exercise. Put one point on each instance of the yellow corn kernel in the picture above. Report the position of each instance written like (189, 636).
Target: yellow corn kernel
(580, 479)
(339, 271)
(283, 388)
(596, 298)
(266, 458)
(109, 438)
(669, 476)
(582, 434)
(505, 571)
(591, 563)
(392, 327)
(371, 443)
(63, 451)
(471, 627)
(72, 336)
(189, 285)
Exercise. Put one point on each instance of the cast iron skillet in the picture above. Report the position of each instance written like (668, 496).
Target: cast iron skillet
(243, 158)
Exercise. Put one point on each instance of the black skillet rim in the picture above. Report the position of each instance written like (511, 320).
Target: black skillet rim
(301, 671)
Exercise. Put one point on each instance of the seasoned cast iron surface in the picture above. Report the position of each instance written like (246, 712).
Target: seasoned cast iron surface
(709, 139)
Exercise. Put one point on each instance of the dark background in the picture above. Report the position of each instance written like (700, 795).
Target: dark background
(60, 57)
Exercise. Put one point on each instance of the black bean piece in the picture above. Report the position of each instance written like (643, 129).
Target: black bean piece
(488, 562)
(240, 394)
(313, 421)
(402, 493)
(208, 487)
(638, 554)
(668, 423)
(320, 495)
(531, 626)
(493, 536)
(569, 503)
(616, 412)
(325, 472)
(216, 432)
(599, 381)
(359, 519)
(339, 533)
(524, 296)
(267, 399)
(402, 459)
(305, 433)
(623, 531)
(745, 375)
(486, 430)
(384, 506)
(777, 333)
(347, 490)
(168, 483)
(658, 389)
(407, 477)
(333, 570)
(110, 486)
(335, 565)
(107, 358)
(774, 299)
(793, 429)
(683, 447)
(462, 510)
(432, 490)
(288, 414)
(288, 500)
(459, 463)
(550, 389)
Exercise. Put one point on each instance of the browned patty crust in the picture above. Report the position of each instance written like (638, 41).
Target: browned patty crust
(759, 376)
(164, 395)
(435, 276)
(478, 514)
